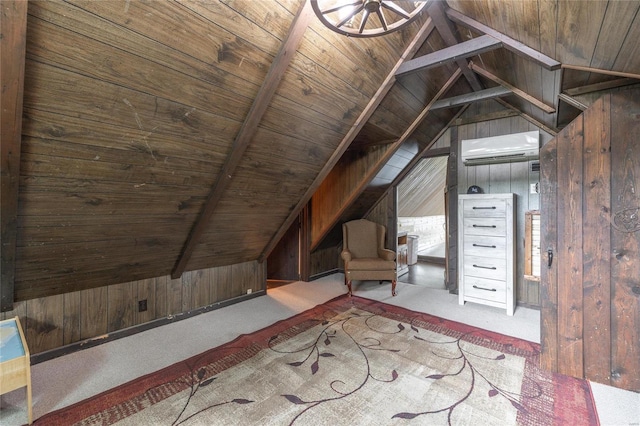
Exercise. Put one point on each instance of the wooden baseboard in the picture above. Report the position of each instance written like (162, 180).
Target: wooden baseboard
(325, 274)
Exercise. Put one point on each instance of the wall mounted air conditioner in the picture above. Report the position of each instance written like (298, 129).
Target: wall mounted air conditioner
(501, 149)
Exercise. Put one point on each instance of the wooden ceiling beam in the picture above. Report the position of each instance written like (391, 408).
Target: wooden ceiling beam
(372, 172)
(601, 71)
(13, 44)
(247, 131)
(445, 28)
(605, 85)
(427, 152)
(462, 50)
(515, 46)
(368, 111)
(506, 113)
(550, 130)
(520, 93)
(467, 98)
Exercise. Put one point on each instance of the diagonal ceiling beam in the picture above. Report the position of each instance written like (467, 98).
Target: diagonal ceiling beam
(437, 12)
(601, 71)
(462, 50)
(493, 92)
(497, 115)
(368, 111)
(415, 160)
(247, 131)
(519, 93)
(509, 43)
(13, 43)
(372, 172)
(553, 132)
(596, 87)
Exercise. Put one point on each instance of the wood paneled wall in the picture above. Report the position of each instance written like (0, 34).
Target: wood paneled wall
(328, 258)
(504, 178)
(384, 213)
(54, 321)
(590, 287)
(340, 188)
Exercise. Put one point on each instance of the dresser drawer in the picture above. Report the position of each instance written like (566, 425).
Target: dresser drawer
(485, 267)
(484, 289)
(495, 227)
(485, 208)
(479, 245)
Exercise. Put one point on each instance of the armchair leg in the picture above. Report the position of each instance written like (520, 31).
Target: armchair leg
(350, 293)
(393, 288)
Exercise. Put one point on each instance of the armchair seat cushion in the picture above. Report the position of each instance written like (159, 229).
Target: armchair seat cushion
(371, 264)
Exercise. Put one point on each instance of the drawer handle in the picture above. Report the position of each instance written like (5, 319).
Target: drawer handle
(484, 208)
(485, 267)
(483, 245)
(484, 226)
(483, 288)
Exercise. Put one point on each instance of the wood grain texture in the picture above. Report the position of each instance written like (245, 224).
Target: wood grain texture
(625, 241)
(13, 21)
(570, 252)
(549, 164)
(597, 246)
(596, 306)
(93, 314)
(246, 133)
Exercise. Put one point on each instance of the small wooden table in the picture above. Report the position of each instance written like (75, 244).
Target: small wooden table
(15, 364)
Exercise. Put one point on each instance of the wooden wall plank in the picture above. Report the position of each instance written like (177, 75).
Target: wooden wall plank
(625, 241)
(44, 325)
(597, 242)
(55, 321)
(145, 290)
(122, 305)
(453, 175)
(222, 277)
(569, 253)
(549, 245)
(13, 21)
(200, 289)
(174, 295)
(71, 329)
(93, 321)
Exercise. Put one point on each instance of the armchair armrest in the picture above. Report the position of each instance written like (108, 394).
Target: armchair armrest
(346, 255)
(386, 254)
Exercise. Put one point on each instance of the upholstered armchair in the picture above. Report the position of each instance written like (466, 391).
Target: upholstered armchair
(364, 255)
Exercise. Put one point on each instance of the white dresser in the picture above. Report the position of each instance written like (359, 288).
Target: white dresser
(486, 244)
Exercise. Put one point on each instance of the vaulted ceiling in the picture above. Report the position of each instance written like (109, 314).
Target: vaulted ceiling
(144, 138)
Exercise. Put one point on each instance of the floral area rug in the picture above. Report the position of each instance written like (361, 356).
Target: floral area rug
(351, 361)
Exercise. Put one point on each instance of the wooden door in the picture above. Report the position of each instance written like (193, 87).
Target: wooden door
(590, 219)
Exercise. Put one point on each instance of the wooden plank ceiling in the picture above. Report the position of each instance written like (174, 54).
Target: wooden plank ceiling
(134, 112)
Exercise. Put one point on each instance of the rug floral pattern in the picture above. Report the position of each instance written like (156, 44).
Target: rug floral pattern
(351, 361)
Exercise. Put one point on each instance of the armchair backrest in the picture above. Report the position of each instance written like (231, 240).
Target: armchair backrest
(363, 238)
